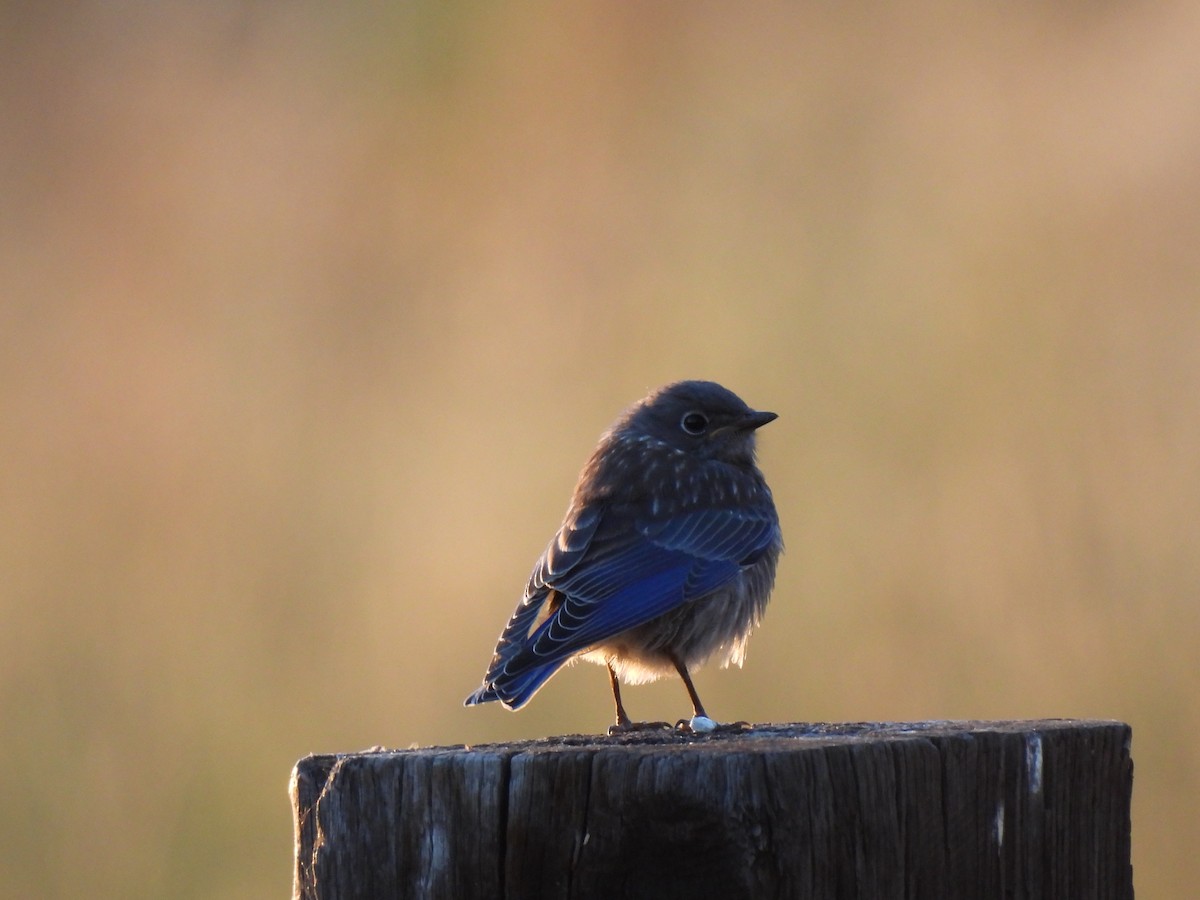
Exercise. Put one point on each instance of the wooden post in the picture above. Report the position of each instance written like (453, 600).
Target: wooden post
(927, 810)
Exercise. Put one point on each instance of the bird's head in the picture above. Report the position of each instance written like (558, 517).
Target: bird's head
(701, 418)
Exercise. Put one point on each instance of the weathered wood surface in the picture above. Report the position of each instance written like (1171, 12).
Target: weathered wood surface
(928, 810)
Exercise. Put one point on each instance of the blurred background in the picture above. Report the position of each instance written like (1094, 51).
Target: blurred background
(310, 314)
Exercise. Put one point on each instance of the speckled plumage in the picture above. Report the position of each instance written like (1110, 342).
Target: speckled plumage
(665, 558)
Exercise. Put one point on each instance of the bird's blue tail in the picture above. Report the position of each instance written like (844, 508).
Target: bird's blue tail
(514, 691)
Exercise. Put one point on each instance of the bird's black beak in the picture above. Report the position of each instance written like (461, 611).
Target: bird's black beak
(755, 419)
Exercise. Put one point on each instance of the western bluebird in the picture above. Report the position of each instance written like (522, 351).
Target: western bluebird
(665, 559)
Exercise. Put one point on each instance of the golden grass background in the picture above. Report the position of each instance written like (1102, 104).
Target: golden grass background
(309, 314)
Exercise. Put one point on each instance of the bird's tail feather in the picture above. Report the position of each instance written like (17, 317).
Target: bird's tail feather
(514, 691)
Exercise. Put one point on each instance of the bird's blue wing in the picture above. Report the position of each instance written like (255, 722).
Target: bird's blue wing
(606, 572)
(636, 570)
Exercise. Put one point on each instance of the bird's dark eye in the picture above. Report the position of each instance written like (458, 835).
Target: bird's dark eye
(694, 422)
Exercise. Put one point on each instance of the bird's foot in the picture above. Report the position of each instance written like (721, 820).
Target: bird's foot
(631, 727)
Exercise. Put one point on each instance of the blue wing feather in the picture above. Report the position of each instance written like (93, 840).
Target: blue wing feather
(580, 623)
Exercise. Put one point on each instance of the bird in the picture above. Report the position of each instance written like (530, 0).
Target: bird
(665, 559)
